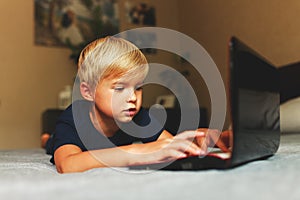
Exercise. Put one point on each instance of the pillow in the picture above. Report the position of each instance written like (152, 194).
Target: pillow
(290, 116)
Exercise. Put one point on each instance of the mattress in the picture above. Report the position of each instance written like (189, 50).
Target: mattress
(28, 174)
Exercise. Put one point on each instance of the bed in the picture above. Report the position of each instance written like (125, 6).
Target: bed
(28, 174)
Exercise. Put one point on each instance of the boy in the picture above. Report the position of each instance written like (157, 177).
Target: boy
(89, 133)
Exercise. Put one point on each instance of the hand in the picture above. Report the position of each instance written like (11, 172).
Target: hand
(168, 149)
(215, 138)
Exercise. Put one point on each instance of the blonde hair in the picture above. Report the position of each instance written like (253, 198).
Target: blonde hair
(110, 57)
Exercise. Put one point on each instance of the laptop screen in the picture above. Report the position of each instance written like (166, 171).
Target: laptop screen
(254, 93)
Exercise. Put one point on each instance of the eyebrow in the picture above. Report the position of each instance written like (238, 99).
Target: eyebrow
(118, 82)
(126, 83)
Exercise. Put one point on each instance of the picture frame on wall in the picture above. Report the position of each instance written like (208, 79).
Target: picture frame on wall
(140, 13)
(74, 22)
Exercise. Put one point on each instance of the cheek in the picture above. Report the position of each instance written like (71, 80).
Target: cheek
(104, 104)
(118, 99)
(139, 97)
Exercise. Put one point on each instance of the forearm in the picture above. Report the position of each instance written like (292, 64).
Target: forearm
(77, 161)
(70, 158)
(129, 155)
(67, 161)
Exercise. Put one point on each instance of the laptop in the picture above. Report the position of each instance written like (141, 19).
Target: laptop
(254, 110)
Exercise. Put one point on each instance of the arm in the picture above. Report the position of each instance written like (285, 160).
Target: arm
(70, 158)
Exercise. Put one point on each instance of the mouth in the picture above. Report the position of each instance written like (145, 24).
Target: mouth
(131, 112)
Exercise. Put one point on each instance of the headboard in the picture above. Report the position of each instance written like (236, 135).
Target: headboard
(289, 81)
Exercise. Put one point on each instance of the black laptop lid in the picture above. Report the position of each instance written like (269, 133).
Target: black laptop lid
(254, 92)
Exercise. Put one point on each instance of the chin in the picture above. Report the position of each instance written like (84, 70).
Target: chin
(125, 119)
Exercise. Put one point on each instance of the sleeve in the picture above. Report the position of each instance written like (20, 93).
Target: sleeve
(65, 131)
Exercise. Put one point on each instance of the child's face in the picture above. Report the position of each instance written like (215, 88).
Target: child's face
(119, 98)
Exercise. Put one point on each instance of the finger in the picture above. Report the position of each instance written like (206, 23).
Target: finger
(187, 147)
(222, 146)
(208, 136)
(190, 134)
(202, 143)
(174, 154)
(219, 143)
(169, 155)
(226, 137)
(216, 137)
(213, 138)
(211, 135)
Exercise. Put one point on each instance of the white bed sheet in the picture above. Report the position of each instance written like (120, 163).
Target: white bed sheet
(28, 174)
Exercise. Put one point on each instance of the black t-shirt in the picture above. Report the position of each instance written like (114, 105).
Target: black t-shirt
(74, 126)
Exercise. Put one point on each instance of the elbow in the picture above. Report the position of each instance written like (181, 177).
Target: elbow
(67, 159)
(65, 166)
(62, 168)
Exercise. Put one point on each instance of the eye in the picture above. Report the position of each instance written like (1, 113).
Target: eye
(119, 88)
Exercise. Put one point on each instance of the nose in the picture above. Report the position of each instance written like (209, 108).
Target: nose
(132, 95)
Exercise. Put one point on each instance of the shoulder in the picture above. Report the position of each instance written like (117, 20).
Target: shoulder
(80, 106)
(76, 115)
(67, 124)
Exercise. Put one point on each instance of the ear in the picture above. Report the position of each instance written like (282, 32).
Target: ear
(86, 91)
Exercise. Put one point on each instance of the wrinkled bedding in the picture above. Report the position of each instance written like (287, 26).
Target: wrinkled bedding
(28, 174)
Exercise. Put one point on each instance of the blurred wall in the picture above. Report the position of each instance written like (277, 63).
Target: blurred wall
(31, 76)
(271, 28)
